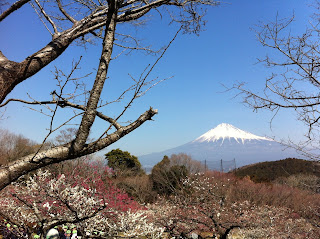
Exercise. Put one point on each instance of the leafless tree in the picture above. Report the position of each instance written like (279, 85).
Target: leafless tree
(182, 159)
(76, 20)
(13, 146)
(167, 175)
(294, 83)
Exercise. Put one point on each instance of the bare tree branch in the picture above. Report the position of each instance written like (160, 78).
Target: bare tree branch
(95, 16)
(14, 170)
(71, 19)
(62, 104)
(297, 86)
(12, 8)
(13, 73)
(101, 76)
(47, 17)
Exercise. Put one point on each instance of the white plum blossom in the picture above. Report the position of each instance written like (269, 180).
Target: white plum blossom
(45, 201)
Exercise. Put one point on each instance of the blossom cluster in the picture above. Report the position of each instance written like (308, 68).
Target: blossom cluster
(94, 205)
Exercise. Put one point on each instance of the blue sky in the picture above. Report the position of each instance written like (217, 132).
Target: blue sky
(190, 103)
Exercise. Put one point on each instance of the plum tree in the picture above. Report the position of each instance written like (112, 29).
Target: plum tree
(70, 21)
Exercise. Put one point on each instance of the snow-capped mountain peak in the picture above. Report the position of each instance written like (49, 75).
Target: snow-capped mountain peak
(229, 146)
(227, 131)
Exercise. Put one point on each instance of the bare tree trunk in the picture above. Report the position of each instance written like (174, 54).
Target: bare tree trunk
(78, 147)
(90, 113)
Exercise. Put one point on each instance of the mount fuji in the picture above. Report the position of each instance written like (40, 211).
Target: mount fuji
(226, 143)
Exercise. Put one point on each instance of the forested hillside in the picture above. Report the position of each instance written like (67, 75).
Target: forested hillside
(269, 171)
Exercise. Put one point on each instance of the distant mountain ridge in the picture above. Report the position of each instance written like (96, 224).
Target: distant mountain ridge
(226, 142)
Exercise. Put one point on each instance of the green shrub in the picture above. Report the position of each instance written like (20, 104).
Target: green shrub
(124, 163)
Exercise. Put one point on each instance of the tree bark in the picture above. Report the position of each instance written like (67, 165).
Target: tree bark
(90, 114)
(22, 166)
(12, 73)
(13, 8)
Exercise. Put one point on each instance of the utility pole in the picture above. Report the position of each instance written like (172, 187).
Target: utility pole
(221, 167)
(205, 165)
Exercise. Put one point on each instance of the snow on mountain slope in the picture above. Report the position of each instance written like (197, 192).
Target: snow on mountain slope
(226, 142)
(226, 131)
